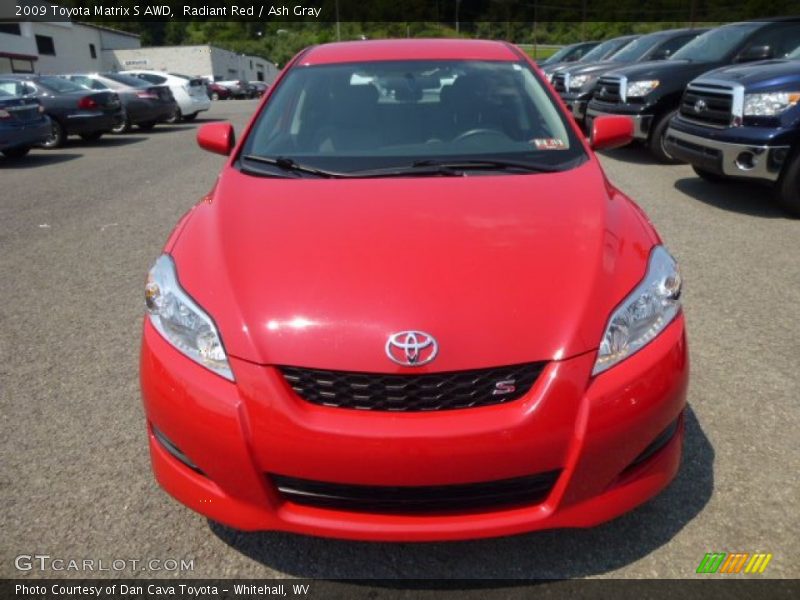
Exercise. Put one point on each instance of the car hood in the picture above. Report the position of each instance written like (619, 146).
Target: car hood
(762, 75)
(499, 269)
(593, 68)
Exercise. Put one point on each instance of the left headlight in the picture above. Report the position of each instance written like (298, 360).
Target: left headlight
(181, 321)
(644, 314)
(577, 82)
(637, 89)
(769, 105)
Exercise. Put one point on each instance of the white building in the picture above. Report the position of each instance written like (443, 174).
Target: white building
(59, 47)
(204, 61)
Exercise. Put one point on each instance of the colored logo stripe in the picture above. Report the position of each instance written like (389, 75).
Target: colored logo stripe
(723, 562)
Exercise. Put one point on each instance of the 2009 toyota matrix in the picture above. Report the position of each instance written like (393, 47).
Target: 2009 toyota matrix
(413, 308)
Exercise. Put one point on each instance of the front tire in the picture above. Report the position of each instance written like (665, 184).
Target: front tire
(214, 96)
(57, 136)
(16, 152)
(657, 139)
(787, 191)
(709, 176)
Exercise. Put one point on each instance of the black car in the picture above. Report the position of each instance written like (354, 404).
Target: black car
(650, 93)
(143, 103)
(23, 123)
(576, 84)
(568, 54)
(602, 51)
(73, 110)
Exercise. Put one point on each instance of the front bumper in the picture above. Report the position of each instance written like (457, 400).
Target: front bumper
(576, 104)
(591, 429)
(641, 123)
(752, 161)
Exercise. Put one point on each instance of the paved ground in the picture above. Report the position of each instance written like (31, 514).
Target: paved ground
(80, 227)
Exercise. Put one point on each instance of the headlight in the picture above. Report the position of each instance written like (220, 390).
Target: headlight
(637, 89)
(181, 321)
(577, 82)
(768, 105)
(644, 314)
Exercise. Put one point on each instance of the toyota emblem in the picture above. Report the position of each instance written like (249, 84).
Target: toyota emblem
(700, 106)
(411, 348)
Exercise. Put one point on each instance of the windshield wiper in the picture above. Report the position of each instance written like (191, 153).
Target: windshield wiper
(489, 164)
(287, 164)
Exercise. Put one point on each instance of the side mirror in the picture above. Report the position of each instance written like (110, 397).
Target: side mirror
(755, 53)
(611, 131)
(217, 137)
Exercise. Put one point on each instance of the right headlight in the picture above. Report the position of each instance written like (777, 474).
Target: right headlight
(637, 89)
(769, 104)
(644, 314)
(181, 321)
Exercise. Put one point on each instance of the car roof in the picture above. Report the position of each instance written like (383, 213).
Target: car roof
(405, 49)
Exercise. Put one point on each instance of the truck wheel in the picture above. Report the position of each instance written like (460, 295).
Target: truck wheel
(657, 139)
(709, 176)
(788, 189)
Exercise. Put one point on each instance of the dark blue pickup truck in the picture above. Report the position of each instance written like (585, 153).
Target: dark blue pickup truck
(744, 122)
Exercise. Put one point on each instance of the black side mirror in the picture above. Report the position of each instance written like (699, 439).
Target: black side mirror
(755, 53)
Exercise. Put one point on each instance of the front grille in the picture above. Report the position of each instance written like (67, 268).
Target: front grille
(708, 104)
(531, 489)
(409, 393)
(608, 89)
(559, 82)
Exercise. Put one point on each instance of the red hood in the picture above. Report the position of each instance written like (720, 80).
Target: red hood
(499, 269)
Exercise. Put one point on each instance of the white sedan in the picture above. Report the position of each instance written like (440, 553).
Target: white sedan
(189, 92)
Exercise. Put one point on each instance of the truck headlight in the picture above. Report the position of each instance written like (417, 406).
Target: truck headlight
(577, 82)
(637, 89)
(770, 104)
(181, 321)
(644, 314)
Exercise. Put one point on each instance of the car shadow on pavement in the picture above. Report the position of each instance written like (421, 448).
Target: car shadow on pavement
(108, 141)
(635, 153)
(555, 554)
(736, 196)
(36, 159)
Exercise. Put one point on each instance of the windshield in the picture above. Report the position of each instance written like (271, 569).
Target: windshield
(57, 84)
(605, 49)
(637, 48)
(359, 116)
(714, 45)
(128, 80)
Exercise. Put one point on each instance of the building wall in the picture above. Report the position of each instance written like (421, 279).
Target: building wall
(204, 61)
(71, 46)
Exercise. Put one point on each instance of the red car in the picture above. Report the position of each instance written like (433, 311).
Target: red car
(216, 91)
(413, 307)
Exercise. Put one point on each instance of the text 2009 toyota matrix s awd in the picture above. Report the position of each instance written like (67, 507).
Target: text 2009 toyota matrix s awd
(413, 308)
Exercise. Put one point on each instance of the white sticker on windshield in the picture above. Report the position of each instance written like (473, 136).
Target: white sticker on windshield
(549, 144)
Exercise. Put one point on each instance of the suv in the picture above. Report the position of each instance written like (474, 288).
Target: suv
(651, 92)
(576, 84)
(744, 121)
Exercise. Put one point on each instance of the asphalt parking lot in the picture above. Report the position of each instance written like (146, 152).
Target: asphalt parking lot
(79, 228)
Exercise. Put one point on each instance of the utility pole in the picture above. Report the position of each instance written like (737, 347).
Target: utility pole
(458, 6)
(338, 25)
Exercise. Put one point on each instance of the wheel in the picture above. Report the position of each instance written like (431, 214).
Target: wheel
(57, 136)
(214, 96)
(176, 116)
(124, 126)
(18, 152)
(709, 176)
(787, 191)
(93, 136)
(147, 125)
(657, 138)
(190, 117)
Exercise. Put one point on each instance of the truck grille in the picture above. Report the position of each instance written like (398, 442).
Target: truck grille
(531, 489)
(708, 104)
(410, 393)
(608, 90)
(559, 82)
